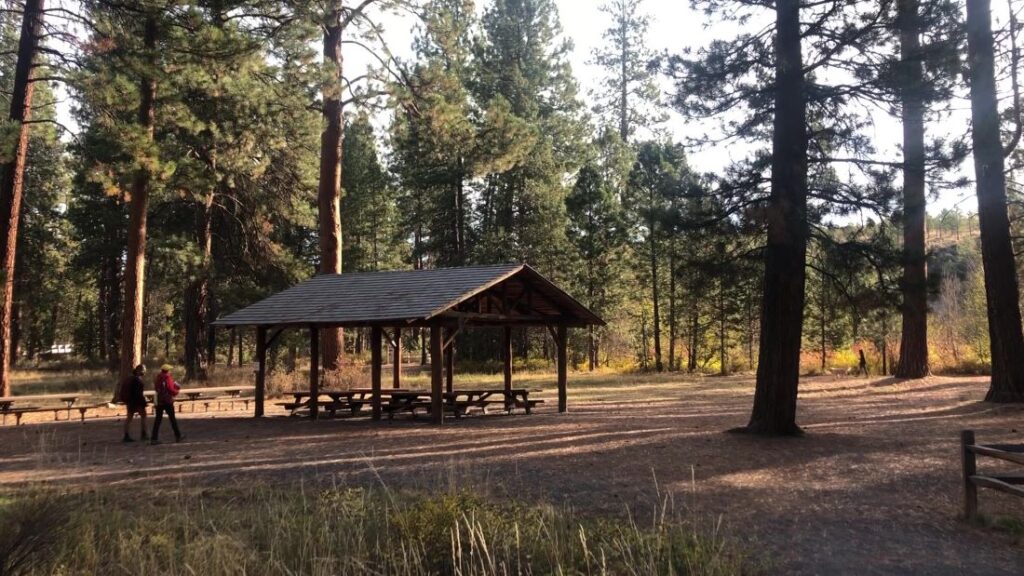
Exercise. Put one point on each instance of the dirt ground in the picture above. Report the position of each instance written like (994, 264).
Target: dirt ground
(873, 488)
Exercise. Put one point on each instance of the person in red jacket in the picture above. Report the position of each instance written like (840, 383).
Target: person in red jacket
(166, 390)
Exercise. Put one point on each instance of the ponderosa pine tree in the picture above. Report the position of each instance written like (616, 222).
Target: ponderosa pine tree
(764, 76)
(629, 96)
(522, 209)
(12, 179)
(913, 362)
(1001, 285)
(443, 139)
(135, 267)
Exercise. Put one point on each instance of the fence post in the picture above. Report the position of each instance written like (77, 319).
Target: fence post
(970, 468)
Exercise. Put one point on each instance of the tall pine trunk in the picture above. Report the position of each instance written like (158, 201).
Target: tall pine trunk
(332, 340)
(913, 361)
(1001, 289)
(672, 309)
(135, 266)
(13, 178)
(778, 369)
(656, 320)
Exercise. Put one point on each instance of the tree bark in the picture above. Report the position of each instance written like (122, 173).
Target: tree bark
(1001, 288)
(329, 192)
(671, 309)
(656, 320)
(13, 179)
(913, 361)
(778, 370)
(135, 267)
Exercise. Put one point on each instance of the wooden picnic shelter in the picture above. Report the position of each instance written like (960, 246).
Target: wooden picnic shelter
(441, 300)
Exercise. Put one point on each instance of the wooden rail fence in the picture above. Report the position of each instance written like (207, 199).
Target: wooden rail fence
(1008, 483)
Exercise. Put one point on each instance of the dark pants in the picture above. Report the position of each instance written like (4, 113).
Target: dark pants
(161, 409)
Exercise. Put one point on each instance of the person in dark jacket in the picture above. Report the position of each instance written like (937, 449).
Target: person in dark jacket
(134, 396)
(166, 390)
(862, 367)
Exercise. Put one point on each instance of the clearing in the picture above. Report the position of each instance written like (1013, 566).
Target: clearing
(874, 487)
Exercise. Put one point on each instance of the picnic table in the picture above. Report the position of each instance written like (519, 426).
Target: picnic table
(353, 400)
(209, 393)
(399, 400)
(7, 402)
(16, 405)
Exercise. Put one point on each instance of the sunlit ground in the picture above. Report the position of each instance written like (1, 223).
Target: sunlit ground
(873, 488)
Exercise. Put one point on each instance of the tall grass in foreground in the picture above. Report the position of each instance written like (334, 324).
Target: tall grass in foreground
(270, 531)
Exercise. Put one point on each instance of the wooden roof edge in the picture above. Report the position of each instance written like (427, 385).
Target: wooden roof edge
(593, 318)
(473, 292)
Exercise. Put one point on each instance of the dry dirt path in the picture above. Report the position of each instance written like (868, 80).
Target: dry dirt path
(872, 489)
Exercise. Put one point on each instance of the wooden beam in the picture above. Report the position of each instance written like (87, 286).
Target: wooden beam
(261, 368)
(273, 337)
(396, 370)
(506, 351)
(436, 374)
(970, 468)
(561, 342)
(375, 362)
(504, 318)
(314, 372)
(452, 334)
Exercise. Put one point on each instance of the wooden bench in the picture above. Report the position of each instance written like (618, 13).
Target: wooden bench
(83, 409)
(21, 411)
(1008, 483)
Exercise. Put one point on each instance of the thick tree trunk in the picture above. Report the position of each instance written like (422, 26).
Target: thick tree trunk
(135, 267)
(1001, 288)
(13, 177)
(913, 361)
(778, 370)
(329, 193)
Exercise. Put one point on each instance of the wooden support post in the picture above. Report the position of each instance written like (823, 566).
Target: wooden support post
(375, 362)
(396, 373)
(561, 342)
(261, 368)
(449, 366)
(506, 352)
(314, 372)
(970, 466)
(436, 374)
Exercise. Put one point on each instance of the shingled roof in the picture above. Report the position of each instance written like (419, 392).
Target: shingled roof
(500, 294)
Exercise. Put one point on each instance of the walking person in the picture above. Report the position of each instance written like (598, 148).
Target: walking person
(166, 390)
(133, 393)
(863, 366)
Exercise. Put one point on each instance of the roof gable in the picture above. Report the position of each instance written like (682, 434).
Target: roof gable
(401, 297)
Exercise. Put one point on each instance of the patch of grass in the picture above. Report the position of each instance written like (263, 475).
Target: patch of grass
(1012, 526)
(266, 530)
